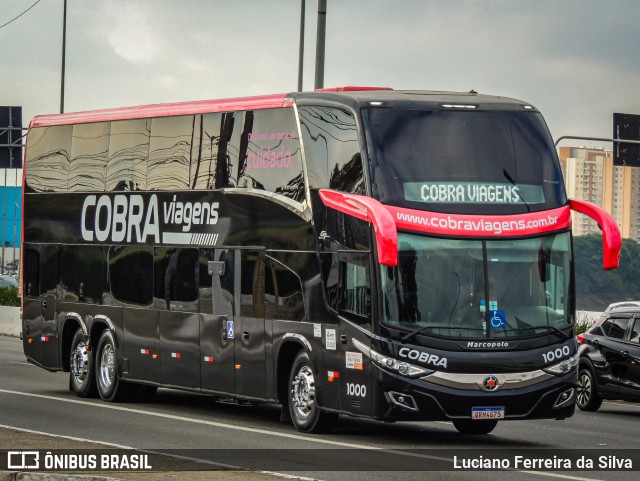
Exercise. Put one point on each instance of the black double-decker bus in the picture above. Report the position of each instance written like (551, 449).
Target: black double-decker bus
(388, 254)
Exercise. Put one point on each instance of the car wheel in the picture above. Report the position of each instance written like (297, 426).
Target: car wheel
(587, 398)
(467, 426)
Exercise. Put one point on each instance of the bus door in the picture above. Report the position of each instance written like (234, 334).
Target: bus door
(39, 325)
(131, 279)
(177, 286)
(217, 320)
(250, 339)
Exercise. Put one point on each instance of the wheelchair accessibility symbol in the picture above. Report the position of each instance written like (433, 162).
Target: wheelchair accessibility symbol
(230, 334)
(498, 319)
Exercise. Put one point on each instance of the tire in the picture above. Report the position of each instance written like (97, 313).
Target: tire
(82, 380)
(305, 414)
(110, 387)
(587, 397)
(468, 426)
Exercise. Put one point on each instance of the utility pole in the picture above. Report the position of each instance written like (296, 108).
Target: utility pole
(64, 48)
(301, 52)
(320, 40)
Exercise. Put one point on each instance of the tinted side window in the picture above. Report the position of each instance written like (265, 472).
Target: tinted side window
(89, 151)
(635, 331)
(208, 142)
(131, 274)
(82, 274)
(175, 273)
(615, 327)
(355, 290)
(49, 269)
(224, 159)
(283, 293)
(128, 153)
(252, 284)
(270, 153)
(332, 149)
(170, 153)
(48, 153)
(31, 272)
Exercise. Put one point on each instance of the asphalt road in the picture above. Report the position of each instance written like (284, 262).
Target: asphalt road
(196, 426)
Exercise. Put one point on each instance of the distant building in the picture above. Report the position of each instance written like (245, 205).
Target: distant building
(589, 174)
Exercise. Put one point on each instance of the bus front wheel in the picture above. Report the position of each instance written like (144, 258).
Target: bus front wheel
(305, 414)
(467, 426)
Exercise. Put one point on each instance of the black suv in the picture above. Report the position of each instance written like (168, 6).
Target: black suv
(609, 366)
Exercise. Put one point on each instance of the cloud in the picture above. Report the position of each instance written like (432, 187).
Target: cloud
(129, 31)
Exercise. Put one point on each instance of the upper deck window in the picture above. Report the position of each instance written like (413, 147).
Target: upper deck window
(270, 153)
(332, 149)
(474, 162)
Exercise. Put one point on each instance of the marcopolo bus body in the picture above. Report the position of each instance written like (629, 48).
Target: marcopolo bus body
(395, 255)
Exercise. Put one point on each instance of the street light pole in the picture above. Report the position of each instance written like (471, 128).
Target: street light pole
(64, 48)
(301, 52)
(322, 27)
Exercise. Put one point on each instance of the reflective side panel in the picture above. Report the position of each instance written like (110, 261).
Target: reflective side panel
(89, 152)
(47, 164)
(170, 153)
(128, 152)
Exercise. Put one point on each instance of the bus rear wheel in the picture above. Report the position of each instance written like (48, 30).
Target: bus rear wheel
(467, 426)
(81, 360)
(305, 414)
(110, 387)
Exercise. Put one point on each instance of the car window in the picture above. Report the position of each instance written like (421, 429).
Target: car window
(635, 331)
(7, 281)
(615, 327)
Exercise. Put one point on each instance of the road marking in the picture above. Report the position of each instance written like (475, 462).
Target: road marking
(122, 446)
(62, 436)
(266, 432)
(22, 363)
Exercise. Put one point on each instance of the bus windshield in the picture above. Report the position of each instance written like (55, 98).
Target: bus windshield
(468, 162)
(480, 288)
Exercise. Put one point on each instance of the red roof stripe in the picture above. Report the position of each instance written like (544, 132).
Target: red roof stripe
(163, 110)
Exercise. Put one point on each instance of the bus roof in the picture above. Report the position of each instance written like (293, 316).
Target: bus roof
(163, 110)
(354, 96)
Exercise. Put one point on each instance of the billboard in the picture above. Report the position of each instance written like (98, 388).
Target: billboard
(10, 133)
(11, 207)
(626, 127)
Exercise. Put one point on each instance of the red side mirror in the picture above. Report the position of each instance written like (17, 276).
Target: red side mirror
(611, 237)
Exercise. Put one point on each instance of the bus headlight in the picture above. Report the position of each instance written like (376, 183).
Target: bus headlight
(401, 367)
(563, 366)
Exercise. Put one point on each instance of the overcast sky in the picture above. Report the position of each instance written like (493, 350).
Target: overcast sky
(578, 61)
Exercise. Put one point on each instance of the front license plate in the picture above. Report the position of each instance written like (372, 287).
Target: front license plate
(487, 413)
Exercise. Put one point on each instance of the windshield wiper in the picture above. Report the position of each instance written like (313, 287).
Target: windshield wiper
(420, 329)
(555, 330)
(507, 176)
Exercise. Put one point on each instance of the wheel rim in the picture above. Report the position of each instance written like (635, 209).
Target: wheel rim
(303, 393)
(107, 367)
(584, 389)
(80, 363)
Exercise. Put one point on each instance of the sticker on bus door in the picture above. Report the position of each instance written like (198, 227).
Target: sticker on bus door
(229, 329)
